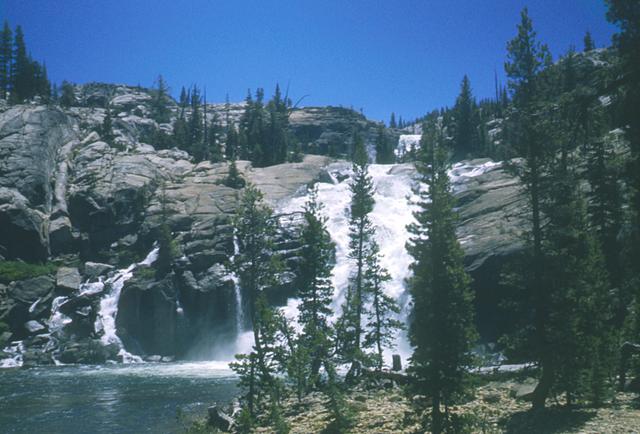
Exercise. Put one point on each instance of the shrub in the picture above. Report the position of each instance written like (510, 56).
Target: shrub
(16, 270)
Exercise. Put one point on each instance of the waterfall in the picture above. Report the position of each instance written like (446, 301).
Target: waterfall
(238, 292)
(392, 213)
(106, 320)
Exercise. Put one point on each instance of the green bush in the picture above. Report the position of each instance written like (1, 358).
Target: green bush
(15, 270)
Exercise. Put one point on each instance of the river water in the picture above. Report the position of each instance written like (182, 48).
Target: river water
(123, 398)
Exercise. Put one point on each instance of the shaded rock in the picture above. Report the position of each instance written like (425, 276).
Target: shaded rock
(68, 280)
(524, 391)
(96, 269)
(22, 229)
(33, 327)
(61, 236)
(147, 318)
(31, 290)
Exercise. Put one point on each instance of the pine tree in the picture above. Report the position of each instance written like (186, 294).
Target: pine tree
(159, 110)
(392, 121)
(256, 264)
(382, 327)
(361, 231)
(167, 247)
(67, 97)
(315, 290)
(213, 137)
(384, 148)
(580, 337)
(106, 129)
(22, 83)
(233, 178)
(6, 60)
(589, 45)
(442, 330)
(195, 144)
(231, 145)
(526, 59)
(465, 140)
(626, 15)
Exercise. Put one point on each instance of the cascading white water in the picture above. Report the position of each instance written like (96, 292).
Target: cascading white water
(106, 320)
(392, 213)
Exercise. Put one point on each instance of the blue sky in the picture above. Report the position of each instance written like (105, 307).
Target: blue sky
(405, 56)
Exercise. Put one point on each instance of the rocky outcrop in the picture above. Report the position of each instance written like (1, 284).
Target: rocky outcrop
(30, 140)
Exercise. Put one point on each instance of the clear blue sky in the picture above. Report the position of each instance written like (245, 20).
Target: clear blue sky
(406, 56)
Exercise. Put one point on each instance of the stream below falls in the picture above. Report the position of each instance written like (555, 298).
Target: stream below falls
(117, 398)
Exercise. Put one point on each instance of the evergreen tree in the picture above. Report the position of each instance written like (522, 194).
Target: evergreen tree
(626, 15)
(195, 144)
(231, 145)
(442, 330)
(167, 249)
(213, 137)
(233, 178)
(589, 45)
(465, 138)
(361, 231)
(384, 148)
(67, 97)
(106, 129)
(381, 327)
(256, 264)
(22, 83)
(159, 110)
(392, 121)
(315, 290)
(6, 60)
(580, 338)
(526, 59)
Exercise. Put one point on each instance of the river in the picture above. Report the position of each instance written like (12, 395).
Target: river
(122, 398)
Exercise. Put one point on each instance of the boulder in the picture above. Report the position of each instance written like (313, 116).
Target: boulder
(33, 327)
(31, 290)
(68, 280)
(61, 236)
(147, 318)
(96, 269)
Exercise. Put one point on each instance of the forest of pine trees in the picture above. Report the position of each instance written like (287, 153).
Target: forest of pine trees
(21, 77)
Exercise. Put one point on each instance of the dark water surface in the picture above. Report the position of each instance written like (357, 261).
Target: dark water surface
(135, 398)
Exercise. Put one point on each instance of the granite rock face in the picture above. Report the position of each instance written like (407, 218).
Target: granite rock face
(67, 195)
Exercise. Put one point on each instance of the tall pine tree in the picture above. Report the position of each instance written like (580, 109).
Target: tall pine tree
(442, 330)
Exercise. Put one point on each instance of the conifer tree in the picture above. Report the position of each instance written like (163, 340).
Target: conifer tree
(465, 137)
(106, 129)
(231, 145)
(21, 73)
(589, 45)
(315, 290)
(392, 121)
(256, 264)
(159, 110)
(233, 178)
(361, 231)
(580, 337)
(526, 59)
(384, 148)
(626, 15)
(6, 60)
(67, 96)
(381, 325)
(442, 330)
(213, 137)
